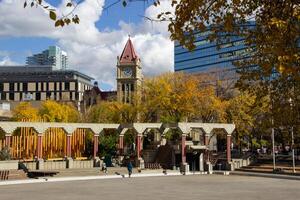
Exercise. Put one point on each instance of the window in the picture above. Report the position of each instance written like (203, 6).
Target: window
(123, 87)
(36, 86)
(1, 86)
(55, 88)
(3, 96)
(38, 96)
(42, 86)
(132, 87)
(11, 86)
(76, 96)
(67, 86)
(48, 95)
(71, 95)
(11, 96)
(25, 87)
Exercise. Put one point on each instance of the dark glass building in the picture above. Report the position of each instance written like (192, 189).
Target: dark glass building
(208, 57)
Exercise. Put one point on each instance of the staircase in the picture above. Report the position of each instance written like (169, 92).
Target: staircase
(165, 156)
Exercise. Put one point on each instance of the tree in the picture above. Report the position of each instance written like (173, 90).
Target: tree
(177, 97)
(250, 115)
(25, 111)
(52, 111)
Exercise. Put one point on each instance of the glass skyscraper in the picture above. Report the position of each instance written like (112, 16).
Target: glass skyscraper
(208, 57)
(53, 56)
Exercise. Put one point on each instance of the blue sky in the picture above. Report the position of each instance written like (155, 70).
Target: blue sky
(20, 47)
(93, 45)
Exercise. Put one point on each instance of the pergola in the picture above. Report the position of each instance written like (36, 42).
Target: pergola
(139, 128)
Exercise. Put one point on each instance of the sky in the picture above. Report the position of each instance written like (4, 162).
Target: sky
(94, 44)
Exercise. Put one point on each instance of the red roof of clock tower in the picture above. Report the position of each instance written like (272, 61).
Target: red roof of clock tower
(128, 54)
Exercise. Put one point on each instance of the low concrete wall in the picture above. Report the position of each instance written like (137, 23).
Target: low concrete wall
(240, 162)
(30, 165)
(83, 164)
(51, 165)
(9, 164)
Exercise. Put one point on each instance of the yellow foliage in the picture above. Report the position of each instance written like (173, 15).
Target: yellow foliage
(25, 111)
(52, 111)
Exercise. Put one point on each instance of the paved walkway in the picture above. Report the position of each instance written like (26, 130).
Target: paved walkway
(207, 187)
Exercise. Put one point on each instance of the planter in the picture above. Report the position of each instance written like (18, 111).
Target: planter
(9, 164)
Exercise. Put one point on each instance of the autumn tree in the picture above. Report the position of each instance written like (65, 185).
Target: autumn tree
(52, 111)
(177, 97)
(25, 111)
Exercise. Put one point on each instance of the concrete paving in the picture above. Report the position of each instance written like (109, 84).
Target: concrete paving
(207, 187)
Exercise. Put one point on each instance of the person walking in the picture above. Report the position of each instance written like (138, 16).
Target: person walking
(129, 168)
(104, 168)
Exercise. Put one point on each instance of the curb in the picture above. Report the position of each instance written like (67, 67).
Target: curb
(278, 176)
(80, 178)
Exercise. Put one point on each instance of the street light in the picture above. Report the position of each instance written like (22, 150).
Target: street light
(292, 132)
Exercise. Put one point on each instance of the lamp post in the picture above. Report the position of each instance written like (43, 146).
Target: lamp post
(273, 145)
(292, 133)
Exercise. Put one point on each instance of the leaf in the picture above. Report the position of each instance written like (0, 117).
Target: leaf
(40, 2)
(52, 15)
(124, 3)
(67, 21)
(32, 4)
(25, 4)
(69, 4)
(57, 23)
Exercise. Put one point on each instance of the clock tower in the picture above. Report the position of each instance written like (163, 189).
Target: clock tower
(129, 74)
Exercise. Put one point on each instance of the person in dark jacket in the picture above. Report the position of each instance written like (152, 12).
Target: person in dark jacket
(129, 168)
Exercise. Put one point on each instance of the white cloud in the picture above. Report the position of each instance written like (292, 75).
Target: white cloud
(91, 51)
(7, 61)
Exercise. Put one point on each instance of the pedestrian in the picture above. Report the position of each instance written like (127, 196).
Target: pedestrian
(129, 168)
(104, 168)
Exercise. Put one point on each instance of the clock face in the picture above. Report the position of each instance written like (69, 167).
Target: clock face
(127, 72)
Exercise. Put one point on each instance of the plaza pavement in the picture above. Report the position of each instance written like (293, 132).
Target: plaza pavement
(206, 187)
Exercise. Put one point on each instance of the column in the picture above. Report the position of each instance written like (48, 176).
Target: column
(7, 140)
(183, 150)
(138, 145)
(228, 151)
(40, 146)
(121, 144)
(206, 140)
(68, 145)
(96, 143)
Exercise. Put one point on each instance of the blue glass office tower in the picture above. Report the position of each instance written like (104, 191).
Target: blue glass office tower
(208, 57)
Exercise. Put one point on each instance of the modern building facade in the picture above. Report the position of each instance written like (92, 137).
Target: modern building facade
(208, 56)
(53, 56)
(39, 83)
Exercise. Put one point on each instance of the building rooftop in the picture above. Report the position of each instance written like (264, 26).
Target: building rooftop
(128, 54)
(43, 72)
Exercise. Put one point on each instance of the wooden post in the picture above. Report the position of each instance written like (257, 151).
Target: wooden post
(68, 145)
(138, 145)
(121, 144)
(183, 150)
(7, 140)
(96, 143)
(40, 146)
(228, 152)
